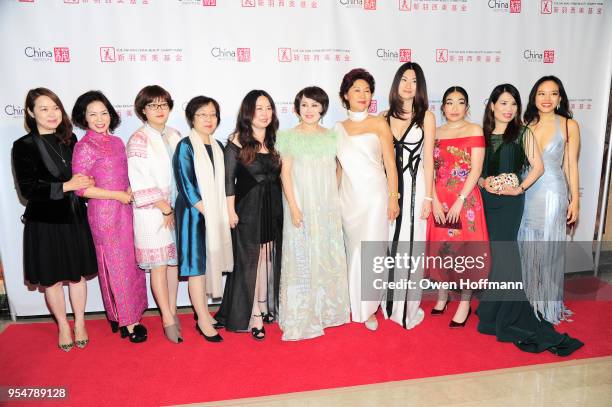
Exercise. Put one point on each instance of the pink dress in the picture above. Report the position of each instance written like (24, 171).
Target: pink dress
(123, 284)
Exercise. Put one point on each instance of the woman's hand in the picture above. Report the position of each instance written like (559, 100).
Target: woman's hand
(296, 217)
(572, 211)
(426, 208)
(78, 181)
(438, 212)
(511, 191)
(124, 197)
(233, 219)
(487, 186)
(394, 209)
(168, 220)
(454, 212)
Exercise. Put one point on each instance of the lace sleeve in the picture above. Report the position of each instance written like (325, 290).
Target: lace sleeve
(231, 154)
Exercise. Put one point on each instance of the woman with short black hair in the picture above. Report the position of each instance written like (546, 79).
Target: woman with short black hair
(101, 155)
(202, 225)
(313, 287)
(149, 152)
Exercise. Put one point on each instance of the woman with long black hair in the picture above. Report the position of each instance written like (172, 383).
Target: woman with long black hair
(414, 131)
(549, 207)
(255, 209)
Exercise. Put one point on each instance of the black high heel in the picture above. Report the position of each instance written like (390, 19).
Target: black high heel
(268, 318)
(259, 334)
(437, 312)
(214, 338)
(216, 325)
(114, 326)
(454, 324)
(138, 334)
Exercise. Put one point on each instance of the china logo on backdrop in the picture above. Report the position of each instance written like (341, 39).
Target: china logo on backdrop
(369, 4)
(61, 54)
(404, 5)
(284, 55)
(405, 55)
(373, 106)
(107, 54)
(515, 6)
(243, 54)
(441, 55)
(549, 56)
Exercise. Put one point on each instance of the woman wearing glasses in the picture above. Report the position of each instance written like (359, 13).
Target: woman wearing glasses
(149, 152)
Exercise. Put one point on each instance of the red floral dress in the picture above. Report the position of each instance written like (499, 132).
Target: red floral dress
(452, 164)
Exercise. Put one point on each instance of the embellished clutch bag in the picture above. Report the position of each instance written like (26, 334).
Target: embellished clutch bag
(507, 180)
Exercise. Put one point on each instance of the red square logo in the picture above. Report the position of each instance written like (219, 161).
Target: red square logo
(209, 3)
(61, 54)
(243, 54)
(373, 106)
(549, 56)
(107, 54)
(546, 7)
(441, 55)
(248, 3)
(369, 4)
(515, 6)
(405, 55)
(404, 5)
(284, 55)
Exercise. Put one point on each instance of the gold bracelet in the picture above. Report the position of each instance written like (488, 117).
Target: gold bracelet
(394, 195)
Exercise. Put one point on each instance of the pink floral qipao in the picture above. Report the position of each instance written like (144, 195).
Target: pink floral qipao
(122, 283)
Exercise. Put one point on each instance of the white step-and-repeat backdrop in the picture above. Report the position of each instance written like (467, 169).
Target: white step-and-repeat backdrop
(224, 48)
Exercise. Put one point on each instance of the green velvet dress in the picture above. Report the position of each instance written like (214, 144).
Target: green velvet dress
(507, 314)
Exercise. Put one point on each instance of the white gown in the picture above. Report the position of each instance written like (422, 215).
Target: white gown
(363, 201)
(408, 232)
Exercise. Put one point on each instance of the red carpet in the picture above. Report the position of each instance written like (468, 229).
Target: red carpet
(112, 372)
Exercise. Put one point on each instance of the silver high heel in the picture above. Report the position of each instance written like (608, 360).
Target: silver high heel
(172, 333)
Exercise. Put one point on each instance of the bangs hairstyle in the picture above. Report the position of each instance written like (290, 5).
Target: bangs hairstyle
(64, 130)
(350, 78)
(532, 115)
(196, 103)
(80, 109)
(244, 128)
(315, 93)
(420, 103)
(513, 129)
(455, 89)
(149, 94)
